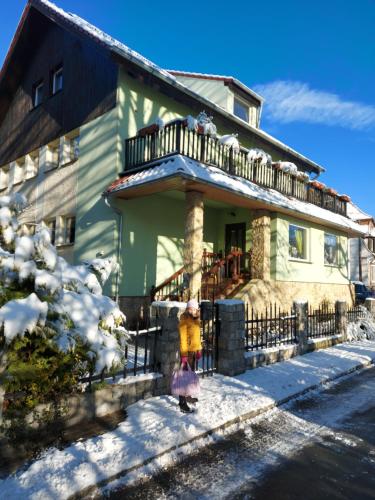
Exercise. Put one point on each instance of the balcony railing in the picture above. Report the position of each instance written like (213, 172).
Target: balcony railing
(176, 138)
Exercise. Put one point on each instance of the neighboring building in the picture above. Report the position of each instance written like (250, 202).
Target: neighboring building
(362, 249)
(75, 113)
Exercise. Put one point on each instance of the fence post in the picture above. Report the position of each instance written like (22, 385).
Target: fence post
(167, 350)
(301, 311)
(370, 306)
(341, 319)
(231, 341)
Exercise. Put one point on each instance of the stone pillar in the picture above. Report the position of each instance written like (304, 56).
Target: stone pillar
(3, 366)
(261, 246)
(301, 309)
(167, 353)
(231, 337)
(370, 306)
(193, 244)
(341, 319)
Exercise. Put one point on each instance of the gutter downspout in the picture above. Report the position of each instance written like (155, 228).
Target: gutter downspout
(119, 244)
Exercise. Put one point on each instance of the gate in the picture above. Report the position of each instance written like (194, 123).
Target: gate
(210, 330)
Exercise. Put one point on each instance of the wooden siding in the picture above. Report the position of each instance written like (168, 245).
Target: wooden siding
(89, 88)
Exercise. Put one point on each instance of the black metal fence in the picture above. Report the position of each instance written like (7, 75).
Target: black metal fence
(210, 329)
(321, 322)
(139, 355)
(176, 138)
(271, 328)
(356, 313)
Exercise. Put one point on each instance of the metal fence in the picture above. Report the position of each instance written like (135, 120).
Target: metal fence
(321, 322)
(210, 327)
(271, 328)
(356, 313)
(139, 355)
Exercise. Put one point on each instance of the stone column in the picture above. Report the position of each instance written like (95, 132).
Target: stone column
(301, 311)
(193, 244)
(167, 353)
(341, 319)
(3, 366)
(261, 246)
(370, 306)
(231, 338)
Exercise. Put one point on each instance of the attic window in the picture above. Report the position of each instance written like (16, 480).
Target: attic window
(38, 90)
(241, 110)
(57, 80)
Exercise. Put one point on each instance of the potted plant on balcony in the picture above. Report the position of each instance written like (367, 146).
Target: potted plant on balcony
(344, 197)
(330, 191)
(317, 185)
(151, 129)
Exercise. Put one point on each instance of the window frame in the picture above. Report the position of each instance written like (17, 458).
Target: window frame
(54, 73)
(67, 241)
(306, 243)
(36, 86)
(53, 232)
(337, 263)
(244, 104)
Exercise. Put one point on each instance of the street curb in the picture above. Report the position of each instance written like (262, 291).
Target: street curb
(221, 427)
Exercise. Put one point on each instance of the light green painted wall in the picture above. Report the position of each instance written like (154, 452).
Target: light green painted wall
(312, 270)
(152, 245)
(213, 90)
(98, 167)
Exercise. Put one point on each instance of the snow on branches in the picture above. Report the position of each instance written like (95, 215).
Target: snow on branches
(68, 299)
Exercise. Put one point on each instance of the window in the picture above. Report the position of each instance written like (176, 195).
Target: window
(330, 249)
(69, 230)
(241, 110)
(51, 224)
(4, 177)
(38, 91)
(371, 244)
(57, 80)
(297, 242)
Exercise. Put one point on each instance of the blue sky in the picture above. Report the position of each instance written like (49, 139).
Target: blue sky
(313, 61)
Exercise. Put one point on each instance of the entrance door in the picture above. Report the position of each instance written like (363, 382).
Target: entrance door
(235, 239)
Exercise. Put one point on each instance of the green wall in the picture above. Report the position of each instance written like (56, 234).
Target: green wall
(313, 270)
(152, 244)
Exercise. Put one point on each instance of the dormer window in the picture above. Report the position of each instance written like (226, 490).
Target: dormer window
(57, 80)
(241, 109)
(38, 90)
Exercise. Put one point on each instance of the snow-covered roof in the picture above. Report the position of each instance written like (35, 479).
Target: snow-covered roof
(57, 14)
(356, 213)
(179, 165)
(222, 78)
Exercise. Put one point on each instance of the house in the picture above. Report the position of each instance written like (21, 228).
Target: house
(362, 249)
(122, 158)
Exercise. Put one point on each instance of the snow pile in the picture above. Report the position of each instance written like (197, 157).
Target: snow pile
(20, 316)
(231, 142)
(68, 299)
(258, 155)
(291, 168)
(192, 123)
(363, 328)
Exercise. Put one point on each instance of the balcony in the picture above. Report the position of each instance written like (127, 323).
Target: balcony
(177, 138)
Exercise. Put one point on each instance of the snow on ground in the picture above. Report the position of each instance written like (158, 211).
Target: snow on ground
(156, 426)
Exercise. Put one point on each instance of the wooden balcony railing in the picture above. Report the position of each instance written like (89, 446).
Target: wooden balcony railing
(176, 138)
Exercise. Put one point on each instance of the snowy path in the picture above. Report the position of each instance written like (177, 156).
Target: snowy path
(324, 438)
(156, 427)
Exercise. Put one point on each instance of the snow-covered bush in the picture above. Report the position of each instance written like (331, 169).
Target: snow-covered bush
(206, 125)
(51, 313)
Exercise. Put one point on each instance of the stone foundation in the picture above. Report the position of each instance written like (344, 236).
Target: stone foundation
(260, 293)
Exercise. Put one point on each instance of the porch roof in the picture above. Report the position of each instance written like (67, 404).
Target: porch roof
(182, 173)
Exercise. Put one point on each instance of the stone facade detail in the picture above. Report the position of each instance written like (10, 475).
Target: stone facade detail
(193, 243)
(261, 247)
(231, 338)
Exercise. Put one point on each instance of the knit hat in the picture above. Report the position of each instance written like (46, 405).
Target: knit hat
(193, 303)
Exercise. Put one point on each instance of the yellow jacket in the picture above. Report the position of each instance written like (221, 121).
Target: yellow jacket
(190, 335)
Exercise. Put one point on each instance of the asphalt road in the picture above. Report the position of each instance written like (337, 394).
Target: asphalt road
(321, 446)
